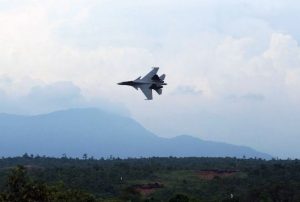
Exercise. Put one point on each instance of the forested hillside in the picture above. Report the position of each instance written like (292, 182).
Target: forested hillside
(34, 178)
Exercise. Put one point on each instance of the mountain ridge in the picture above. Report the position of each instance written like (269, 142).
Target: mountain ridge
(101, 134)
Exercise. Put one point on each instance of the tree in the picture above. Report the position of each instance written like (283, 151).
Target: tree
(85, 156)
(21, 189)
(180, 198)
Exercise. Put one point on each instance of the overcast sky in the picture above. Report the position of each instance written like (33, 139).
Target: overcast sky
(232, 66)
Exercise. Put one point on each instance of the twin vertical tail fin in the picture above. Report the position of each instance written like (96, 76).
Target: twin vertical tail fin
(162, 77)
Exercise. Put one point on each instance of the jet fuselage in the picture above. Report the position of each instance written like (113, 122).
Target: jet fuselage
(148, 83)
(136, 83)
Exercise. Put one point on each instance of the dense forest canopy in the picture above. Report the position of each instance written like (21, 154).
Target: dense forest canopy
(35, 178)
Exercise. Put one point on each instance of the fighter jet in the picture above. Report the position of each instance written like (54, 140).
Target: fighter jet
(148, 83)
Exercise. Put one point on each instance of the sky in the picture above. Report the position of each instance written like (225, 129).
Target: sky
(232, 66)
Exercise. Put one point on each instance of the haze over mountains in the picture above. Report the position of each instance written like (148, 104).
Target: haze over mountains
(100, 134)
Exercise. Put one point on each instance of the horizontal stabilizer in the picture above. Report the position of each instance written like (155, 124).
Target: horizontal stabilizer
(159, 91)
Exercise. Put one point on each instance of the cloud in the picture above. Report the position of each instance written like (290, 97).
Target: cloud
(187, 90)
(57, 54)
(58, 92)
(40, 98)
(44, 98)
(252, 97)
(5, 80)
(54, 96)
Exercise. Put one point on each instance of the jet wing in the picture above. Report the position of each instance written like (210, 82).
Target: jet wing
(147, 91)
(149, 76)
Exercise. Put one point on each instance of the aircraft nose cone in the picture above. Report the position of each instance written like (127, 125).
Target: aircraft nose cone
(126, 83)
